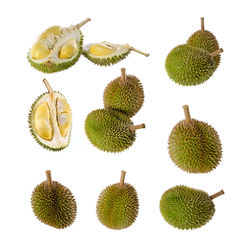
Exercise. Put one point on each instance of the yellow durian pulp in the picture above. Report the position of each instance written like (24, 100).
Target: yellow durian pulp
(68, 50)
(100, 49)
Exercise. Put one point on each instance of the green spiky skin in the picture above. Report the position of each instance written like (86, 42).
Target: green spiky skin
(30, 119)
(117, 207)
(55, 205)
(109, 130)
(106, 61)
(52, 67)
(206, 40)
(186, 208)
(187, 65)
(195, 147)
(126, 96)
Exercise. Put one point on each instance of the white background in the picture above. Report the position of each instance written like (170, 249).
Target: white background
(223, 101)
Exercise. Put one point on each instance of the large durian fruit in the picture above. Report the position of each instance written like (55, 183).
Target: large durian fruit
(187, 208)
(194, 146)
(53, 203)
(50, 120)
(57, 48)
(118, 205)
(106, 54)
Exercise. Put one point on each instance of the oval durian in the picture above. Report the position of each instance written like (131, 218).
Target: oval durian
(118, 205)
(187, 208)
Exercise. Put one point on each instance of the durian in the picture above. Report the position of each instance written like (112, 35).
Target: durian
(110, 130)
(117, 206)
(50, 120)
(188, 65)
(57, 48)
(187, 208)
(53, 203)
(124, 94)
(106, 54)
(194, 146)
(206, 40)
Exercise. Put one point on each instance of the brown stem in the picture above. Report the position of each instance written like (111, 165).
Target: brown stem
(79, 25)
(216, 52)
(49, 89)
(136, 50)
(187, 114)
(49, 180)
(122, 178)
(123, 75)
(202, 24)
(135, 127)
(216, 195)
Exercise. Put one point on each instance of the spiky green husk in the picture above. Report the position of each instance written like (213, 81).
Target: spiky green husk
(126, 96)
(30, 119)
(206, 40)
(186, 208)
(55, 205)
(195, 147)
(105, 61)
(52, 67)
(187, 65)
(109, 130)
(117, 207)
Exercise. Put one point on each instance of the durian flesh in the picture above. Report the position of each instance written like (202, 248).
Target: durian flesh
(50, 121)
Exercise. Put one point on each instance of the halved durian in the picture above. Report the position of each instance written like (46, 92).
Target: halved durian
(50, 120)
(57, 48)
(106, 54)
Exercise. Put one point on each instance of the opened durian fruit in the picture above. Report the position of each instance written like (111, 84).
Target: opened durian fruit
(50, 120)
(106, 54)
(57, 48)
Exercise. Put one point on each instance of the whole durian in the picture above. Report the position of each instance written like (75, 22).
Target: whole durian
(188, 65)
(194, 146)
(53, 203)
(110, 130)
(187, 208)
(117, 206)
(50, 120)
(124, 94)
(57, 48)
(206, 40)
(106, 54)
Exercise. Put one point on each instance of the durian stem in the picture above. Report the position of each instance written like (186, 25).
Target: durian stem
(187, 114)
(122, 178)
(138, 51)
(216, 195)
(216, 52)
(123, 75)
(49, 89)
(135, 127)
(202, 24)
(49, 180)
(79, 25)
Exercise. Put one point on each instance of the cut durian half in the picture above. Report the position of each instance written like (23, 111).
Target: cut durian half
(57, 48)
(106, 54)
(50, 120)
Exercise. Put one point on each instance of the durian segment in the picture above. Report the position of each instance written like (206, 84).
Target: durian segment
(69, 49)
(54, 30)
(101, 49)
(39, 50)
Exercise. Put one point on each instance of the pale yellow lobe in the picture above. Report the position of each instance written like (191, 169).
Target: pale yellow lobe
(56, 30)
(68, 50)
(100, 50)
(42, 122)
(39, 50)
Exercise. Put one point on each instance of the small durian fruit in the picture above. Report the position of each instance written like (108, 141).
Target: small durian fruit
(188, 65)
(106, 54)
(110, 130)
(57, 48)
(124, 94)
(187, 208)
(50, 120)
(206, 40)
(118, 205)
(194, 146)
(53, 203)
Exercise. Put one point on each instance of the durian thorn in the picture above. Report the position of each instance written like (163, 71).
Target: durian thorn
(187, 114)
(216, 52)
(123, 75)
(122, 178)
(51, 92)
(79, 25)
(217, 194)
(135, 127)
(202, 24)
(49, 180)
(138, 51)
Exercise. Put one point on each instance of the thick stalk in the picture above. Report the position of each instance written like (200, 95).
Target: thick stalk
(135, 127)
(202, 24)
(138, 51)
(79, 25)
(216, 195)
(216, 52)
(123, 75)
(51, 92)
(49, 180)
(122, 178)
(187, 114)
